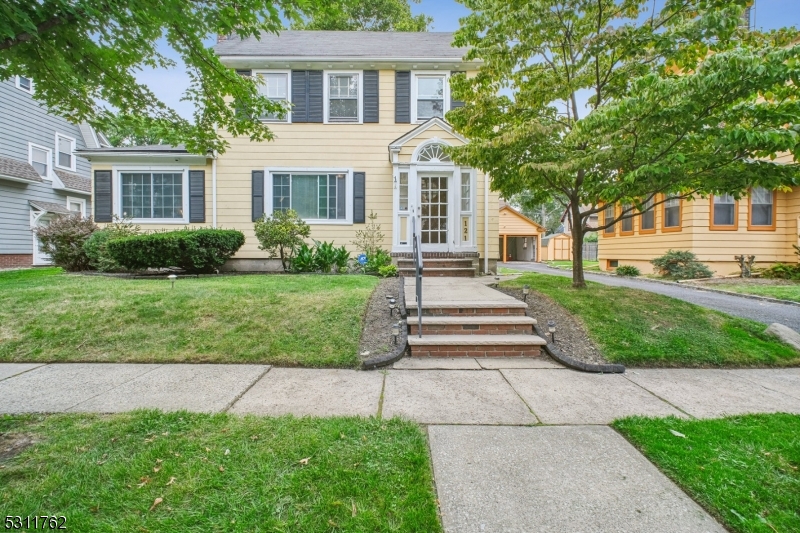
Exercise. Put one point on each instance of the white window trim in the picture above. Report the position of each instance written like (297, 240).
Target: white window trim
(446, 93)
(327, 97)
(117, 192)
(20, 87)
(288, 119)
(72, 152)
(31, 146)
(72, 199)
(348, 220)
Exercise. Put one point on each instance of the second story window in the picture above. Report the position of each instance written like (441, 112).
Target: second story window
(430, 96)
(343, 97)
(65, 158)
(276, 88)
(40, 160)
(24, 84)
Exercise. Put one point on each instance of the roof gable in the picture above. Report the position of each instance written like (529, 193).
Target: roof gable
(525, 219)
(398, 143)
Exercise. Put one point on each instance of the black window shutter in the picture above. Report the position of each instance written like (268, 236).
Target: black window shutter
(359, 197)
(197, 196)
(103, 210)
(299, 96)
(371, 89)
(455, 103)
(315, 96)
(402, 97)
(258, 194)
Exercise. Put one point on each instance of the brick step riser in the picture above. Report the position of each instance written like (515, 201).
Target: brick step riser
(468, 311)
(433, 263)
(429, 274)
(474, 329)
(434, 350)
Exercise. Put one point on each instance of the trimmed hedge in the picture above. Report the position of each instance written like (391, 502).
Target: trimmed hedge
(192, 250)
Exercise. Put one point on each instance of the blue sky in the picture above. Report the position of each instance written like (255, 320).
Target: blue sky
(169, 85)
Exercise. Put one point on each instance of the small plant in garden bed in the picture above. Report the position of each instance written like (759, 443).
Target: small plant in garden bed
(628, 270)
(388, 271)
(678, 264)
(322, 257)
(192, 250)
(782, 271)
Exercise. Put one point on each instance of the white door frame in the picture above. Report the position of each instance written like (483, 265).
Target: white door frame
(39, 257)
(449, 244)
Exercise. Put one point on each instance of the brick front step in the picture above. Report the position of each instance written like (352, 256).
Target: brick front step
(430, 272)
(404, 264)
(475, 325)
(476, 346)
(516, 308)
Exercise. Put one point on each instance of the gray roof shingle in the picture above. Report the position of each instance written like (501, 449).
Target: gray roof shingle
(74, 182)
(49, 207)
(14, 168)
(345, 44)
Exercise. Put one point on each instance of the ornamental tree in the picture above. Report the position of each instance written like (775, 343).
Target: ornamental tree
(85, 54)
(683, 102)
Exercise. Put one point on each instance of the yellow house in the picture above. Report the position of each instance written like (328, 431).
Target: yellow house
(765, 224)
(366, 133)
(520, 237)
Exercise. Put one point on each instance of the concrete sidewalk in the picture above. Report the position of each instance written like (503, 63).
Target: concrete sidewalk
(517, 444)
(462, 391)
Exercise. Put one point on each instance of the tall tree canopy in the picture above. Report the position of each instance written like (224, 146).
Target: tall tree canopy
(682, 101)
(367, 15)
(84, 56)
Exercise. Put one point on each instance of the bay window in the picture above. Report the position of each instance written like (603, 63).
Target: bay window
(627, 223)
(672, 214)
(647, 220)
(608, 216)
(313, 196)
(723, 212)
(762, 213)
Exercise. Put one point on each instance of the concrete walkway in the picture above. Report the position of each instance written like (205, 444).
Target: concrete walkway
(758, 310)
(517, 444)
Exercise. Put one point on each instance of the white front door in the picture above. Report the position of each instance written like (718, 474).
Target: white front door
(435, 213)
(39, 257)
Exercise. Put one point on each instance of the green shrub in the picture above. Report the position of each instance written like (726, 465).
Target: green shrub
(192, 250)
(96, 249)
(63, 241)
(679, 264)
(782, 271)
(388, 271)
(281, 235)
(375, 261)
(628, 270)
(303, 260)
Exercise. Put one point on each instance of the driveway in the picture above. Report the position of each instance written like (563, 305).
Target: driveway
(758, 310)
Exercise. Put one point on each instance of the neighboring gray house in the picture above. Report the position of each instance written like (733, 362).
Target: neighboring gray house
(40, 174)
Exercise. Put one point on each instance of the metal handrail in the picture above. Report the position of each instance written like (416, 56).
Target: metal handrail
(418, 266)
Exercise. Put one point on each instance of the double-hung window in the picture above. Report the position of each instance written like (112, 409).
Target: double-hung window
(723, 209)
(672, 213)
(152, 195)
(276, 87)
(65, 148)
(430, 96)
(627, 223)
(343, 97)
(313, 196)
(647, 220)
(40, 160)
(608, 216)
(761, 209)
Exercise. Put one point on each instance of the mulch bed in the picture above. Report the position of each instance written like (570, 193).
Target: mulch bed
(571, 337)
(376, 334)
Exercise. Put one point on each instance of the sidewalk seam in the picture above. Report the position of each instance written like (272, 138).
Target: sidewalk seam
(379, 414)
(659, 397)
(26, 371)
(538, 420)
(114, 387)
(239, 396)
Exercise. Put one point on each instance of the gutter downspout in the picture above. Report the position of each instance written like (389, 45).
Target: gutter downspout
(214, 191)
(486, 224)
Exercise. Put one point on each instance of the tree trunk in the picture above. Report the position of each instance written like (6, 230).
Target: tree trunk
(578, 280)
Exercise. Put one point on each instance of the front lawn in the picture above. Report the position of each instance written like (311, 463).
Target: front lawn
(635, 327)
(307, 320)
(745, 470)
(783, 290)
(149, 471)
(589, 266)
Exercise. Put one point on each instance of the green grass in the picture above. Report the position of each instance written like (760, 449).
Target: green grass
(790, 291)
(639, 328)
(589, 266)
(745, 470)
(220, 473)
(307, 320)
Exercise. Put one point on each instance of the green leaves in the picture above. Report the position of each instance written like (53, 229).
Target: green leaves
(368, 15)
(84, 56)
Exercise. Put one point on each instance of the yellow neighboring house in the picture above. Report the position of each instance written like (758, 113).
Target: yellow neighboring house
(366, 134)
(765, 224)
